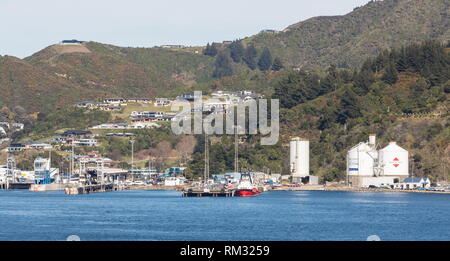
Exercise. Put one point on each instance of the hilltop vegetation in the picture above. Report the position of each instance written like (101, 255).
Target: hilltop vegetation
(63, 74)
(347, 40)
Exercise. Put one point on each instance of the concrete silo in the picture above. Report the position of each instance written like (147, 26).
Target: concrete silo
(362, 161)
(368, 166)
(299, 158)
(394, 161)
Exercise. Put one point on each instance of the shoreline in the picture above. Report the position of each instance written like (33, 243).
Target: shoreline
(306, 188)
(350, 189)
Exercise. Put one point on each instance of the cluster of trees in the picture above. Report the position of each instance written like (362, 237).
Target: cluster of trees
(340, 107)
(236, 53)
(302, 86)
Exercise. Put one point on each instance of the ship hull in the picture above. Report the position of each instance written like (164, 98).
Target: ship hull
(246, 193)
(46, 187)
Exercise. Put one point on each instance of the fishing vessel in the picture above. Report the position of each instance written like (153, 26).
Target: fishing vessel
(246, 188)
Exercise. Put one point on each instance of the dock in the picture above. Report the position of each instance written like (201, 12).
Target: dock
(88, 189)
(15, 185)
(222, 193)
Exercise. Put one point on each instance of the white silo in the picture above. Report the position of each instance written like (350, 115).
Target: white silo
(361, 160)
(394, 160)
(299, 158)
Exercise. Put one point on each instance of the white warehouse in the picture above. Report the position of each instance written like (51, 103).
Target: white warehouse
(368, 166)
(299, 158)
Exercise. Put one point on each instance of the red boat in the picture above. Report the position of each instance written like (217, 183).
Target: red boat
(246, 187)
(246, 192)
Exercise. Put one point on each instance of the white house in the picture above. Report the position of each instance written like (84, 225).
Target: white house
(174, 181)
(413, 183)
(39, 146)
(162, 102)
(85, 143)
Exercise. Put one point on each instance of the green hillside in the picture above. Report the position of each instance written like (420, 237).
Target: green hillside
(62, 74)
(401, 95)
(347, 40)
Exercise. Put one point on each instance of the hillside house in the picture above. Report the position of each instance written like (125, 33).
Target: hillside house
(186, 97)
(119, 101)
(18, 126)
(85, 143)
(162, 102)
(139, 100)
(71, 42)
(39, 146)
(15, 147)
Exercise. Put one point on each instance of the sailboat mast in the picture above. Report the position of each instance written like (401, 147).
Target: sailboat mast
(236, 150)
(206, 172)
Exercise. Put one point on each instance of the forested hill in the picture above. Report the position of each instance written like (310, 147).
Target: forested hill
(347, 40)
(60, 75)
(400, 95)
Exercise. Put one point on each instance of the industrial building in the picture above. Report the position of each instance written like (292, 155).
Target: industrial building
(299, 159)
(366, 165)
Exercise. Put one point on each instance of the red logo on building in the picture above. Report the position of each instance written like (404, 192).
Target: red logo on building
(395, 162)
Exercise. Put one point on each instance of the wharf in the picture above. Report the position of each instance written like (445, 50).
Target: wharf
(87, 189)
(16, 185)
(213, 193)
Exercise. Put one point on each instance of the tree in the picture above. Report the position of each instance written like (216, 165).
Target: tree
(250, 55)
(363, 80)
(296, 88)
(277, 64)
(236, 51)
(223, 65)
(348, 108)
(265, 61)
(185, 147)
(390, 74)
(210, 50)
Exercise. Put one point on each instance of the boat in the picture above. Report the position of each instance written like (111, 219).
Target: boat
(246, 188)
(44, 176)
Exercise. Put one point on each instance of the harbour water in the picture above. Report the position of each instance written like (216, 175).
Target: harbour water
(274, 215)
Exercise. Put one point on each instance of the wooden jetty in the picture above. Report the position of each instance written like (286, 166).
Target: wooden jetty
(208, 193)
(87, 189)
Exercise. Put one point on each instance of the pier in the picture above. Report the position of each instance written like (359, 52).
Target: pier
(88, 189)
(191, 193)
(15, 185)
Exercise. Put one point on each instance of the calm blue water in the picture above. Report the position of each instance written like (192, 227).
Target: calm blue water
(165, 215)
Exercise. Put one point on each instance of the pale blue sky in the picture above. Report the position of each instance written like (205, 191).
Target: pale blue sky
(26, 26)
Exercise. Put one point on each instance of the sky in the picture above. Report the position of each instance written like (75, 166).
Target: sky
(27, 26)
